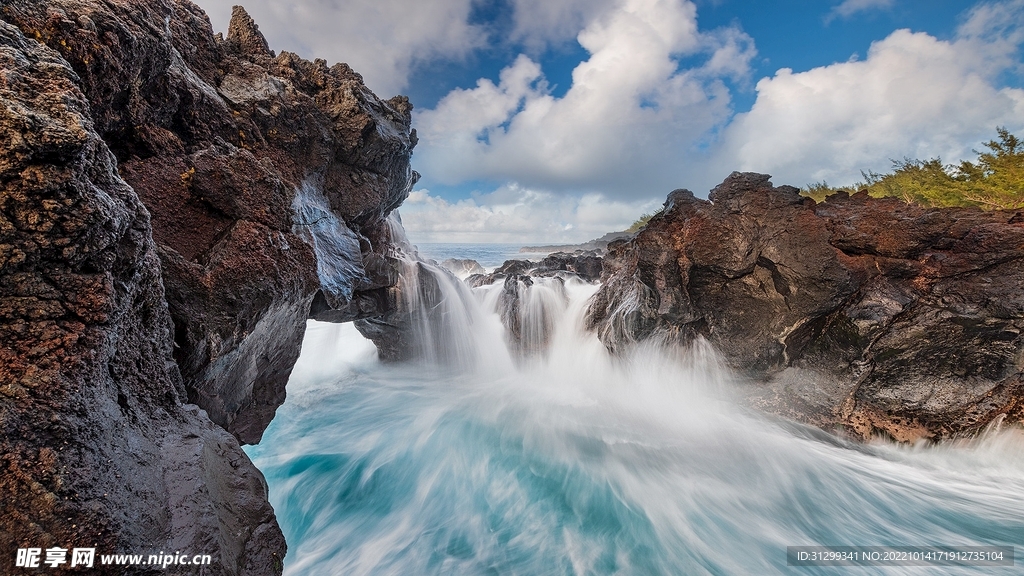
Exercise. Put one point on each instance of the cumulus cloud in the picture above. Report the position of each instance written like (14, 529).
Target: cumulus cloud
(914, 95)
(629, 123)
(541, 23)
(850, 7)
(649, 110)
(380, 39)
(513, 213)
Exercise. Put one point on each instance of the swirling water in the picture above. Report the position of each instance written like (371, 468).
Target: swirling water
(570, 461)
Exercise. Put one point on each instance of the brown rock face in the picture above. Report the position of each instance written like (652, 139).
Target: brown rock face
(97, 448)
(225, 143)
(269, 180)
(861, 312)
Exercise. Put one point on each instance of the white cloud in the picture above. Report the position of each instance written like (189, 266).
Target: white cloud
(630, 123)
(913, 96)
(516, 214)
(380, 39)
(649, 110)
(541, 23)
(850, 7)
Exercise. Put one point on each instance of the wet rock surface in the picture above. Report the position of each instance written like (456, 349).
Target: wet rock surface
(586, 265)
(174, 203)
(527, 308)
(463, 267)
(868, 314)
(220, 138)
(524, 312)
(97, 445)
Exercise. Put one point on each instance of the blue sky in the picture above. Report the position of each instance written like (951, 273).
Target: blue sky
(559, 120)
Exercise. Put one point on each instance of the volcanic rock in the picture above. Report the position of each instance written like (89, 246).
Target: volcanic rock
(586, 264)
(173, 204)
(229, 145)
(515, 267)
(463, 267)
(421, 319)
(863, 313)
(97, 448)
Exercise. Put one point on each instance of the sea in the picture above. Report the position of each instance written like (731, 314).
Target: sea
(488, 456)
(489, 256)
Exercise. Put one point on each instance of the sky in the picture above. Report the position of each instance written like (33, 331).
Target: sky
(548, 121)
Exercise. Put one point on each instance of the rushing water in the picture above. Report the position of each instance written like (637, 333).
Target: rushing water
(559, 459)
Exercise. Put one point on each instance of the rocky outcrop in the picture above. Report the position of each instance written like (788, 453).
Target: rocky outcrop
(528, 309)
(463, 267)
(870, 314)
(585, 265)
(231, 148)
(427, 316)
(98, 448)
(174, 204)
(588, 265)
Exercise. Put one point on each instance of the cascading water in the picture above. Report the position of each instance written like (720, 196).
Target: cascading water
(447, 329)
(529, 308)
(485, 457)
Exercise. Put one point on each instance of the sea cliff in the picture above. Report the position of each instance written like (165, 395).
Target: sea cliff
(865, 314)
(173, 202)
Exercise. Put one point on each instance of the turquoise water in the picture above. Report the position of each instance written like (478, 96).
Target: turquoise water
(573, 462)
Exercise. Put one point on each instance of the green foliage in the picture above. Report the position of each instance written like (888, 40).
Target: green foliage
(641, 222)
(819, 190)
(924, 182)
(995, 181)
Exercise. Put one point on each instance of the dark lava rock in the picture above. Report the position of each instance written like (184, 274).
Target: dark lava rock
(515, 267)
(586, 264)
(97, 448)
(866, 313)
(478, 280)
(463, 266)
(529, 320)
(230, 146)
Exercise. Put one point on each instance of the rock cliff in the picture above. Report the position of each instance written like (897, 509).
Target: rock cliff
(173, 203)
(232, 149)
(98, 448)
(867, 314)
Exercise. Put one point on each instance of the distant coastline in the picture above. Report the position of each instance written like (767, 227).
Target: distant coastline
(599, 244)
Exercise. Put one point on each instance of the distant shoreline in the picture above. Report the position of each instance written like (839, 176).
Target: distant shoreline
(599, 244)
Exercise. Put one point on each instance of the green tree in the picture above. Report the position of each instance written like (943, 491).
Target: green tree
(924, 182)
(641, 222)
(995, 181)
(819, 191)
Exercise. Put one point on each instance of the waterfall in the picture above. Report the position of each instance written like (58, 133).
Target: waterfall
(448, 327)
(441, 322)
(529, 308)
(513, 442)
